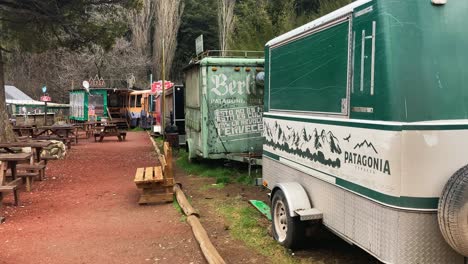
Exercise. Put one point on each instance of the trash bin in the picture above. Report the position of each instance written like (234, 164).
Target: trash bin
(172, 136)
(173, 139)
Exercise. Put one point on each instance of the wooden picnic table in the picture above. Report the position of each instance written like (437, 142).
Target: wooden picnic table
(60, 132)
(37, 145)
(24, 131)
(12, 160)
(106, 131)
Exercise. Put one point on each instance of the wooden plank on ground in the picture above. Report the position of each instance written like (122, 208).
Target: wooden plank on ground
(139, 175)
(2, 172)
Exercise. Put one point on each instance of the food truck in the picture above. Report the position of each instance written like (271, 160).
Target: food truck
(223, 108)
(366, 129)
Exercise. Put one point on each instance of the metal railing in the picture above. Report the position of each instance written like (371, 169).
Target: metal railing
(229, 54)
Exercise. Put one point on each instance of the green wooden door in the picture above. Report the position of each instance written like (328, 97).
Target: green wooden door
(363, 90)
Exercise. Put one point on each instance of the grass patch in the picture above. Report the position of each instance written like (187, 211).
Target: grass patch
(176, 205)
(212, 186)
(216, 169)
(137, 129)
(248, 225)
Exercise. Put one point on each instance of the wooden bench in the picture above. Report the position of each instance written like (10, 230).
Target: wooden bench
(27, 177)
(121, 135)
(157, 182)
(9, 186)
(29, 171)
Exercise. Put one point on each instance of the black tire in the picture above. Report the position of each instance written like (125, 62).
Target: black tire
(453, 211)
(288, 231)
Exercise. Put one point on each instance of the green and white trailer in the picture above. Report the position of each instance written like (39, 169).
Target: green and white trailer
(366, 129)
(223, 109)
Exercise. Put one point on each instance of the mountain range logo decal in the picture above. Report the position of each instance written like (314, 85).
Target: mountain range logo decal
(366, 161)
(367, 144)
(321, 146)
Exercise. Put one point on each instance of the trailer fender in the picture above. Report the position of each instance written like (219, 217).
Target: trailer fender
(296, 196)
(453, 211)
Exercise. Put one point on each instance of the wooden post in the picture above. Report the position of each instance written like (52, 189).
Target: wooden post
(168, 155)
(163, 99)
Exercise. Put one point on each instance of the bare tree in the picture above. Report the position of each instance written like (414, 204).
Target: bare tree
(140, 24)
(62, 70)
(225, 22)
(168, 16)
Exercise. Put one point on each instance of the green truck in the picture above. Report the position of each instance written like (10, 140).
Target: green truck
(223, 108)
(366, 129)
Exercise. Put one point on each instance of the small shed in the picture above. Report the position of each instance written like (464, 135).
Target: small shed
(19, 104)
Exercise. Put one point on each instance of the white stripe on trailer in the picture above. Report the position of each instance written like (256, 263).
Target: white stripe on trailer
(318, 22)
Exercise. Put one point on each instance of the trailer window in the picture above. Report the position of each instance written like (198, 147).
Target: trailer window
(192, 88)
(138, 100)
(311, 74)
(132, 100)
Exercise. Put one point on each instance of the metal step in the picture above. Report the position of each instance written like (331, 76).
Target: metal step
(309, 214)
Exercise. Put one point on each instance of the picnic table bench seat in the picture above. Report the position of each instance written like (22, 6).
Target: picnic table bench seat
(26, 176)
(11, 187)
(38, 167)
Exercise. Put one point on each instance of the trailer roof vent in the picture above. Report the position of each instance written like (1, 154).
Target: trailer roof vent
(439, 2)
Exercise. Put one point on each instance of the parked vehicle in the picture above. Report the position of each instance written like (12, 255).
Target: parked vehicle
(223, 108)
(366, 129)
(100, 103)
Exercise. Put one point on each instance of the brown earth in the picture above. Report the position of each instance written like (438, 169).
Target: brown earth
(87, 212)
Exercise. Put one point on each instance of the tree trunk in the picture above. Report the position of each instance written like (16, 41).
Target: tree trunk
(168, 15)
(225, 23)
(6, 130)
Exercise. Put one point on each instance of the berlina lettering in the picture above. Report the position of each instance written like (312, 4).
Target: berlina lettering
(224, 87)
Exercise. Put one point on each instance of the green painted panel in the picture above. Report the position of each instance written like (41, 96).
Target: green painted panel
(266, 96)
(427, 45)
(362, 53)
(310, 74)
(420, 61)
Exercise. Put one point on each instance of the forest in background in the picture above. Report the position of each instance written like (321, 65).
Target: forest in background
(225, 24)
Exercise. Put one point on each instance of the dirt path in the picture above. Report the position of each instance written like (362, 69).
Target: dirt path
(87, 212)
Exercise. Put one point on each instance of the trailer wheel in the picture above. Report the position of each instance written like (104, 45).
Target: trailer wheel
(287, 230)
(453, 211)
